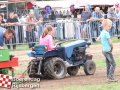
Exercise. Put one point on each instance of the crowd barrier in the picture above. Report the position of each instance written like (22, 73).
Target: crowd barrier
(62, 29)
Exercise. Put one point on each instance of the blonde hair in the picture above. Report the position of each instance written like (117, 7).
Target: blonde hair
(106, 22)
(46, 30)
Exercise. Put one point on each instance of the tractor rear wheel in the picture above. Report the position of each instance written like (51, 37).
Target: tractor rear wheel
(89, 67)
(55, 68)
(72, 70)
(34, 69)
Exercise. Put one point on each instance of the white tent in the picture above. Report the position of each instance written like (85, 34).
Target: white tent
(94, 2)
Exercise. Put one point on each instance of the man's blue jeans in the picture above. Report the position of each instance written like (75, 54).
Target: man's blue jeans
(112, 31)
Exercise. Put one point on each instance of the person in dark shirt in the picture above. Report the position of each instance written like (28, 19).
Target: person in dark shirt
(85, 18)
(2, 23)
(52, 16)
(7, 34)
(12, 22)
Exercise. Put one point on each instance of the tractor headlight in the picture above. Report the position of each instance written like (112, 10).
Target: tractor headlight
(45, 48)
(32, 48)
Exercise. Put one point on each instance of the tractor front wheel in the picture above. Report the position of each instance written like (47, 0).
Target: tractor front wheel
(55, 68)
(89, 67)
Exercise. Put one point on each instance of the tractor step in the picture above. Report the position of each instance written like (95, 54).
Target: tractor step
(34, 75)
(71, 66)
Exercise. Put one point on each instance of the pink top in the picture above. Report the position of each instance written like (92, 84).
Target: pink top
(47, 40)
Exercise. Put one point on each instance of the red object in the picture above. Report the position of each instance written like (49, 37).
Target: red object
(19, 76)
(5, 81)
(28, 5)
(117, 5)
(11, 63)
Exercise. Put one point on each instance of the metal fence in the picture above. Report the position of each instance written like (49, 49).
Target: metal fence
(62, 29)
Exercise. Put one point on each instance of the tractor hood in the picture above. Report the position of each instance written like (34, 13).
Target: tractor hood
(69, 47)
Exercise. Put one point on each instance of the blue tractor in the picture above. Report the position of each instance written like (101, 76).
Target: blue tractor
(48, 64)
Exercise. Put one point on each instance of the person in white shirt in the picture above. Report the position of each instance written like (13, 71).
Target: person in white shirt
(118, 22)
(118, 13)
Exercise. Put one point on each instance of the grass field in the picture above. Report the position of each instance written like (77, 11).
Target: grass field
(25, 46)
(110, 86)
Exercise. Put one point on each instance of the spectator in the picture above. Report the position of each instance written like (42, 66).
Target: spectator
(56, 12)
(64, 13)
(95, 27)
(112, 16)
(52, 16)
(2, 23)
(3, 16)
(45, 17)
(86, 16)
(68, 13)
(30, 29)
(12, 23)
(97, 14)
(118, 22)
(40, 27)
(118, 13)
(36, 11)
(78, 12)
(61, 14)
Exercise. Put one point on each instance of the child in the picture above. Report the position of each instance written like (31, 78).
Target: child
(46, 39)
(107, 49)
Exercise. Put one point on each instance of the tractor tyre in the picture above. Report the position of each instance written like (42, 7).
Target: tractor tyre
(72, 70)
(34, 69)
(89, 67)
(55, 68)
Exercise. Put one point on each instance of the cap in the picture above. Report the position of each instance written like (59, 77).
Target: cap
(72, 5)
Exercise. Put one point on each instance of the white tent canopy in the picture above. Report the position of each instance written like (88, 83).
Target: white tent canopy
(94, 2)
(77, 3)
(53, 4)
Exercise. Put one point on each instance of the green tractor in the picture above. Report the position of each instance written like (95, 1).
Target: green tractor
(7, 62)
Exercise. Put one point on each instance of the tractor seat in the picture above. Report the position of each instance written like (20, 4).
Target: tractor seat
(40, 49)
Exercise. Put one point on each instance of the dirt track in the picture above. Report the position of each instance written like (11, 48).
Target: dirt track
(78, 80)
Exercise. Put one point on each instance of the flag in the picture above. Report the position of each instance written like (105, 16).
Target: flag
(5, 81)
(117, 5)
(89, 7)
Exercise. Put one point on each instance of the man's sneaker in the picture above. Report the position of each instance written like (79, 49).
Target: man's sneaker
(112, 80)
